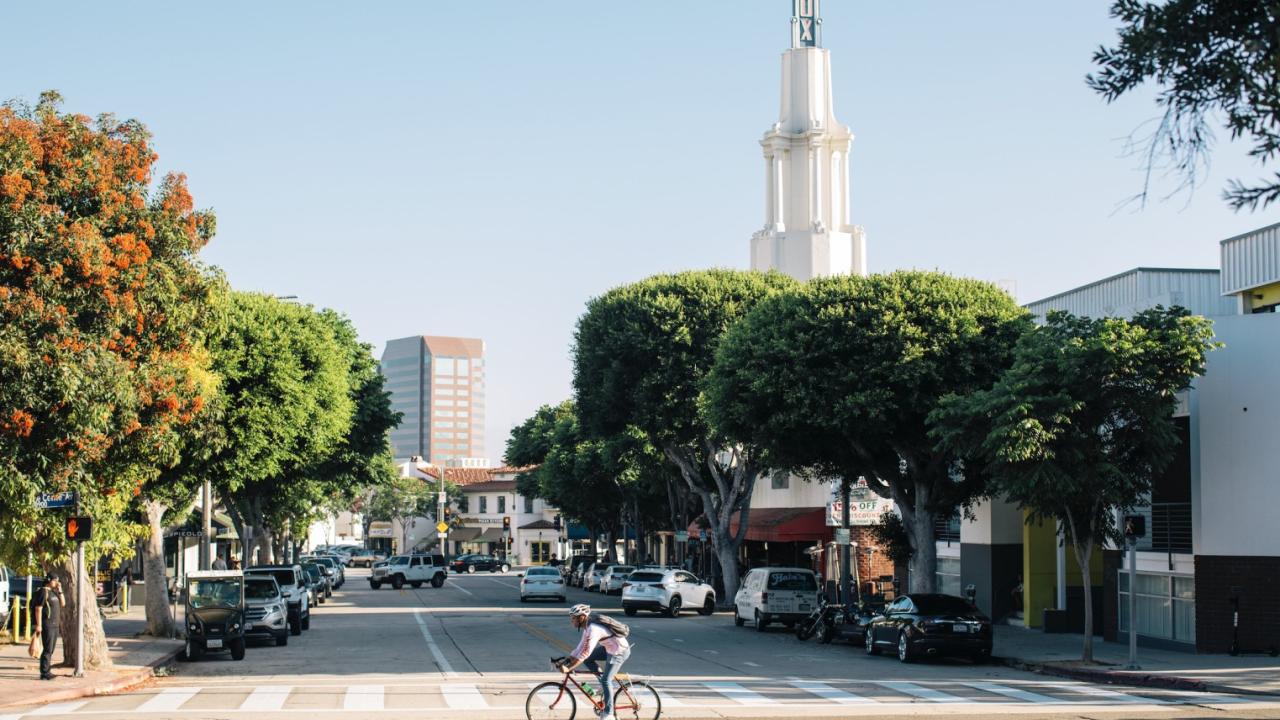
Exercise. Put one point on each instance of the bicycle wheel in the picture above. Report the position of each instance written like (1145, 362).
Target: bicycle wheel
(550, 701)
(637, 701)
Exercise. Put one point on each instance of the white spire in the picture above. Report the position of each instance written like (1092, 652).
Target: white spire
(807, 231)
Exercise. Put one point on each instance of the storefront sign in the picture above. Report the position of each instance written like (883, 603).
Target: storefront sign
(865, 509)
(380, 530)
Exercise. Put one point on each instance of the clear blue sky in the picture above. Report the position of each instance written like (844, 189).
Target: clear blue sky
(481, 168)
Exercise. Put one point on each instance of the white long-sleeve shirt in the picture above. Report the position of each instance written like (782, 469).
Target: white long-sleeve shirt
(595, 634)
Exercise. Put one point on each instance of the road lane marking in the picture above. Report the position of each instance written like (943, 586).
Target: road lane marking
(924, 693)
(1016, 694)
(826, 692)
(61, 708)
(168, 699)
(463, 696)
(445, 667)
(269, 697)
(739, 694)
(748, 662)
(1105, 693)
(363, 697)
(456, 586)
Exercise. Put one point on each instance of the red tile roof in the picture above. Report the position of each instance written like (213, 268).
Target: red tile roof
(491, 486)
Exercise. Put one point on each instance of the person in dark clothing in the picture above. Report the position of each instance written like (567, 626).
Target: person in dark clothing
(48, 611)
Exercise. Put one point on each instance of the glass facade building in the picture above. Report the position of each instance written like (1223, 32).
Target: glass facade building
(438, 384)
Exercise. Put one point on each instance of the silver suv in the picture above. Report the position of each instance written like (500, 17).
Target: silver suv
(266, 612)
(412, 569)
(296, 593)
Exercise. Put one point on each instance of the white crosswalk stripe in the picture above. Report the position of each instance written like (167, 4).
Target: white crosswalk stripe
(363, 697)
(921, 692)
(1104, 694)
(739, 694)
(463, 696)
(827, 692)
(1016, 693)
(168, 699)
(270, 697)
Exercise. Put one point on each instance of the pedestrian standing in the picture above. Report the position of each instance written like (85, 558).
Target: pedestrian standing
(48, 611)
(219, 563)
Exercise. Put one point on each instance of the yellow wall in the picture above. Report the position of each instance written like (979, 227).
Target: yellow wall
(1040, 569)
(1270, 295)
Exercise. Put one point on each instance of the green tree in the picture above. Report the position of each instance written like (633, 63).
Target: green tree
(1210, 58)
(400, 500)
(1079, 425)
(641, 354)
(836, 380)
(288, 408)
(101, 300)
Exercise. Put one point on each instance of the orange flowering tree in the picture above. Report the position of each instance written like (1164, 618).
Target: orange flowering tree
(101, 298)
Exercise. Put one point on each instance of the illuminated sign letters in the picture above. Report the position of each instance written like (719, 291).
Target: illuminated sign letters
(807, 18)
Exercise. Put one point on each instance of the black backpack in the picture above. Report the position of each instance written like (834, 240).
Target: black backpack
(614, 627)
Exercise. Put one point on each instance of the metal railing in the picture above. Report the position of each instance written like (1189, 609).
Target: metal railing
(1168, 528)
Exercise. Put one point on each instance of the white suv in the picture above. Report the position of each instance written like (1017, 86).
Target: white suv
(666, 591)
(412, 569)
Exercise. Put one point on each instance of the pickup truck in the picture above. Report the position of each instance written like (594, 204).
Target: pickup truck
(412, 569)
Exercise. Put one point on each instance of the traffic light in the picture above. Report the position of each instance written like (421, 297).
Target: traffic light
(79, 528)
(506, 523)
(448, 513)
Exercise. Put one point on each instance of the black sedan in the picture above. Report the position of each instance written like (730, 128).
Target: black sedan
(473, 563)
(923, 624)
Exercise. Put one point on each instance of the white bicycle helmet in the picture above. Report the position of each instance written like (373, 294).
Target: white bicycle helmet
(579, 610)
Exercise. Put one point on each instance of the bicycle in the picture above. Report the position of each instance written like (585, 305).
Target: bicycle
(634, 699)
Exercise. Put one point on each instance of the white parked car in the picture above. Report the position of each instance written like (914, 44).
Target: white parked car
(613, 577)
(591, 578)
(4, 595)
(666, 591)
(542, 582)
(780, 594)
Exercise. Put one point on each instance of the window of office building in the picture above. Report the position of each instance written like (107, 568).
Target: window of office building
(1166, 606)
(444, 402)
(446, 391)
(461, 414)
(463, 403)
(502, 504)
(444, 413)
(463, 366)
(528, 504)
(948, 576)
(444, 366)
(484, 504)
(780, 480)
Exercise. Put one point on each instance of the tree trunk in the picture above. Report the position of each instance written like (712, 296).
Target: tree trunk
(264, 541)
(96, 656)
(1083, 555)
(159, 613)
(727, 558)
(918, 522)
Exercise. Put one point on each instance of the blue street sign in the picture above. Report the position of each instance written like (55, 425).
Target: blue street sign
(49, 501)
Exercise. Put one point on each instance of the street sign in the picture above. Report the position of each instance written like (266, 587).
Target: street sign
(442, 528)
(682, 536)
(842, 536)
(441, 535)
(79, 528)
(49, 501)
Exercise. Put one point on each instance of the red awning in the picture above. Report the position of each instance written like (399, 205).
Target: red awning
(781, 525)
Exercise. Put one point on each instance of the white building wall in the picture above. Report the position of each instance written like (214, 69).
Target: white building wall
(1239, 413)
(798, 493)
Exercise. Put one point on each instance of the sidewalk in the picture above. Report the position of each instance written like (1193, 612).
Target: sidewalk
(1055, 654)
(135, 659)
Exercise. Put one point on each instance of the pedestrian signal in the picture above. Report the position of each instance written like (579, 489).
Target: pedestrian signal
(79, 528)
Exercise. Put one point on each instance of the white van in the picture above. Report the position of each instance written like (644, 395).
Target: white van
(4, 595)
(770, 594)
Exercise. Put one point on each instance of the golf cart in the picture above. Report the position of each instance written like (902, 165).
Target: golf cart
(214, 613)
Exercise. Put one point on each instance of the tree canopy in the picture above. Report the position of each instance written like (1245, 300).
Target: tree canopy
(1082, 421)
(641, 352)
(1213, 58)
(836, 379)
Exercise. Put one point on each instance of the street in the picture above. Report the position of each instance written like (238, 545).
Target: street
(471, 649)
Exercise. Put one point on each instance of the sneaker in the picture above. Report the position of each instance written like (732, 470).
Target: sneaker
(608, 716)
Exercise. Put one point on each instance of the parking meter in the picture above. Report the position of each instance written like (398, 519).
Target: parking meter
(971, 593)
(1235, 619)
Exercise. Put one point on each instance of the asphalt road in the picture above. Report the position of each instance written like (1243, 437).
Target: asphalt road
(472, 650)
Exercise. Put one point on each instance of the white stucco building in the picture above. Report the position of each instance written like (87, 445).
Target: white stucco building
(807, 231)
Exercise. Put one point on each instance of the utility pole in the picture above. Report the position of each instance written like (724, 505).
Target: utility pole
(846, 591)
(206, 555)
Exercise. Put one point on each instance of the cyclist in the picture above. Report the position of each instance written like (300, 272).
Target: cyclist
(598, 642)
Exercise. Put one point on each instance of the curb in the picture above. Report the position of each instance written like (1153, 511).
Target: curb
(1111, 677)
(117, 684)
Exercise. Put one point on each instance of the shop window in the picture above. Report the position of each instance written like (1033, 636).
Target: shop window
(484, 504)
(502, 504)
(948, 576)
(528, 505)
(1166, 606)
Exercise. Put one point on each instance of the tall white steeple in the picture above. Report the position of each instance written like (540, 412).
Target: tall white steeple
(807, 232)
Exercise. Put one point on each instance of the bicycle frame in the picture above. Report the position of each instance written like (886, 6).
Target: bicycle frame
(569, 679)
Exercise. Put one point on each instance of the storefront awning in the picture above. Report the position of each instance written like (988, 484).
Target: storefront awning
(464, 534)
(490, 535)
(578, 531)
(780, 525)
